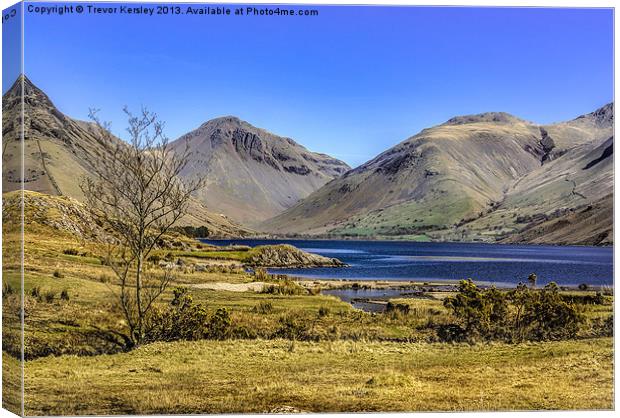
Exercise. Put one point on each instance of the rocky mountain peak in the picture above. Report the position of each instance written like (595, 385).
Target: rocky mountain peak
(603, 116)
(491, 117)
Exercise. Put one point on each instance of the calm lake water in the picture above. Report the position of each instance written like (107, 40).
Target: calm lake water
(502, 265)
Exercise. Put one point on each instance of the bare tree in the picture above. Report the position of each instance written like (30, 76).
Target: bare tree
(136, 195)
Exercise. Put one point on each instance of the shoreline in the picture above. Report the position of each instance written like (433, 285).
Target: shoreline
(404, 241)
(414, 284)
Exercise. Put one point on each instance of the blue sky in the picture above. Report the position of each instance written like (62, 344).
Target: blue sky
(351, 82)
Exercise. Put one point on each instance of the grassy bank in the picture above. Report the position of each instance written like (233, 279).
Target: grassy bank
(261, 376)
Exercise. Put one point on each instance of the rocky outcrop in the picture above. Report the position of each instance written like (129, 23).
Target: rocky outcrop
(287, 256)
(58, 212)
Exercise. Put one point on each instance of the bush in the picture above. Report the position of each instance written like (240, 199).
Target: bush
(104, 278)
(583, 286)
(398, 307)
(35, 292)
(185, 320)
(286, 287)
(263, 307)
(64, 295)
(292, 327)
(181, 320)
(220, 325)
(550, 317)
(323, 311)
(261, 275)
(50, 295)
(521, 314)
(479, 312)
(57, 274)
(155, 259)
(451, 333)
(71, 251)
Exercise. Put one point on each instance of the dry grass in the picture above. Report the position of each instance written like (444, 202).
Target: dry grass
(258, 376)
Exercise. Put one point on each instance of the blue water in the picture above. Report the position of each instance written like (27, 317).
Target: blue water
(484, 263)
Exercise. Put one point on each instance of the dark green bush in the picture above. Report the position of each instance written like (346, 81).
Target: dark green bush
(185, 320)
(57, 274)
(480, 313)
(292, 326)
(550, 317)
(64, 295)
(521, 314)
(71, 251)
(220, 325)
(181, 320)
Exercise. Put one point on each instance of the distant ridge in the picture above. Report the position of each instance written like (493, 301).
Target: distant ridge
(481, 177)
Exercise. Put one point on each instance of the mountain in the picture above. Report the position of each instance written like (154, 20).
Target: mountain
(253, 174)
(475, 178)
(57, 151)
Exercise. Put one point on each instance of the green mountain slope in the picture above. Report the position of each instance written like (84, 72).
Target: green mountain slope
(448, 182)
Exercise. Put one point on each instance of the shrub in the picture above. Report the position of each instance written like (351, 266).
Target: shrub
(521, 314)
(398, 307)
(50, 295)
(71, 251)
(323, 311)
(57, 274)
(261, 275)
(292, 327)
(264, 307)
(64, 295)
(550, 316)
(286, 287)
(451, 333)
(220, 325)
(479, 312)
(104, 278)
(155, 259)
(181, 320)
(35, 292)
(583, 286)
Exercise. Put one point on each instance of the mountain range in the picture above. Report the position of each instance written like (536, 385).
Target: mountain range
(57, 153)
(488, 177)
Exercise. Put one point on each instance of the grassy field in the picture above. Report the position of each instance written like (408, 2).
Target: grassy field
(262, 376)
(349, 360)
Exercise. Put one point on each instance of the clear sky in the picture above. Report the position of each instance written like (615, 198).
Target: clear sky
(350, 82)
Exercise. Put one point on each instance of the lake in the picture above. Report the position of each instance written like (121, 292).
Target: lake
(502, 265)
